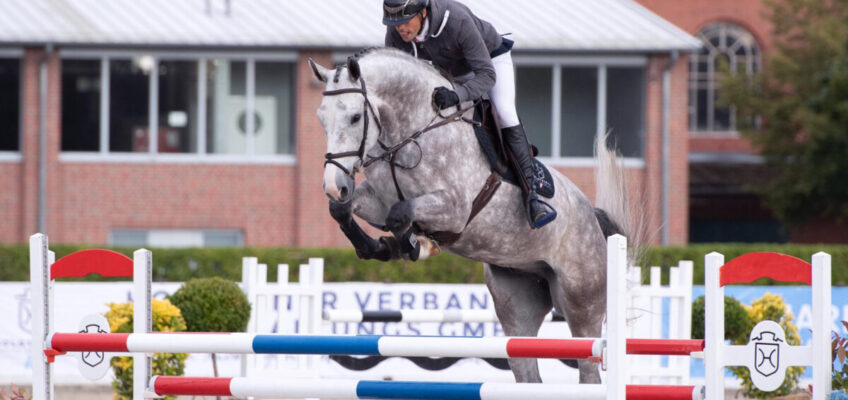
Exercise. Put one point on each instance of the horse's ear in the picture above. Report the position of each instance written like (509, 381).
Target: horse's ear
(353, 68)
(320, 72)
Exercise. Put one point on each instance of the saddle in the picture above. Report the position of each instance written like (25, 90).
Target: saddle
(500, 158)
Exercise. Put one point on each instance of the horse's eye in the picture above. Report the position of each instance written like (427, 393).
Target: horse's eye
(355, 118)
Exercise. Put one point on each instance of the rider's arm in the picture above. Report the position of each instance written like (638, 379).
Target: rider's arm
(477, 55)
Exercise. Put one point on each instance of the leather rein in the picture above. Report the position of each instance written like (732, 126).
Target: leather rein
(389, 153)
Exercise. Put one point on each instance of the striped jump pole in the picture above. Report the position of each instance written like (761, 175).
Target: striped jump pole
(423, 316)
(363, 389)
(388, 346)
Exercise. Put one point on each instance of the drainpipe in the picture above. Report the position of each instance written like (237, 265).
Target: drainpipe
(42, 141)
(666, 150)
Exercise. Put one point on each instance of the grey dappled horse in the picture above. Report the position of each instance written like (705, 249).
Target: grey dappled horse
(371, 108)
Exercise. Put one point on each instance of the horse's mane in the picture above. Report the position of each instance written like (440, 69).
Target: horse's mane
(407, 62)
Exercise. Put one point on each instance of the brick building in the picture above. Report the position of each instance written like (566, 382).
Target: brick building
(79, 80)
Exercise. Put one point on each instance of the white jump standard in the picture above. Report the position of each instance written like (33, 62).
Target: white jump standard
(611, 351)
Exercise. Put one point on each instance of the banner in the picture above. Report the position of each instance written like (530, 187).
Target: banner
(74, 300)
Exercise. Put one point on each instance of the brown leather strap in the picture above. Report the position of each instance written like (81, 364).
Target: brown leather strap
(447, 238)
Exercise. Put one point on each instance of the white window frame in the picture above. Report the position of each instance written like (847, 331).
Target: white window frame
(15, 156)
(753, 64)
(200, 156)
(602, 63)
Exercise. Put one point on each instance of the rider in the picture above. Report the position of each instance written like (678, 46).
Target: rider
(448, 34)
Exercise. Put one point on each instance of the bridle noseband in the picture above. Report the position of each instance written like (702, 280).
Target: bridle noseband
(330, 158)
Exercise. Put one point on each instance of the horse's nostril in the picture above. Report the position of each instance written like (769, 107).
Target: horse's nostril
(343, 193)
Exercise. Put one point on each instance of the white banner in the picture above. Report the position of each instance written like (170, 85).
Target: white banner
(74, 300)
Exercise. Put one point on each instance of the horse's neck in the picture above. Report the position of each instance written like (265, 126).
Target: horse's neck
(405, 100)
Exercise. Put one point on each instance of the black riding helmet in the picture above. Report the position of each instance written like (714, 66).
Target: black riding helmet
(398, 12)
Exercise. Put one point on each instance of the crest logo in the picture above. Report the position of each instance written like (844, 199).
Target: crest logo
(92, 358)
(767, 353)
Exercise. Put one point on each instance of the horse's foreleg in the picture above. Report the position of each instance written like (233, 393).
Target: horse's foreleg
(366, 247)
(431, 212)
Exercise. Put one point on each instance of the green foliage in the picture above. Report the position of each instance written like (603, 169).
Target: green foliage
(342, 265)
(801, 96)
(840, 367)
(770, 307)
(166, 318)
(737, 323)
(212, 305)
(670, 256)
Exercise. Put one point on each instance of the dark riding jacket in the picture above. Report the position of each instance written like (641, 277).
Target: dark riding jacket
(459, 43)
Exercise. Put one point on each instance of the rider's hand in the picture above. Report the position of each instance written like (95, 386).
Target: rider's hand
(444, 97)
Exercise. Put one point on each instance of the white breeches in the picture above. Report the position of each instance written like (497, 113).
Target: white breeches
(503, 93)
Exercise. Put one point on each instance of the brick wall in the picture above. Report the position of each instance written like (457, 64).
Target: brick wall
(274, 205)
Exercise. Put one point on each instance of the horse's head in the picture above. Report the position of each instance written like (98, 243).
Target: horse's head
(351, 126)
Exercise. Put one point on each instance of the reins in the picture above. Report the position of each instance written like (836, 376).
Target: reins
(389, 153)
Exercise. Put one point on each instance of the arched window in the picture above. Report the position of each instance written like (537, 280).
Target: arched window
(723, 43)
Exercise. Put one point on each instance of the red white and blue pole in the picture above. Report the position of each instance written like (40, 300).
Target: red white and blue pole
(364, 389)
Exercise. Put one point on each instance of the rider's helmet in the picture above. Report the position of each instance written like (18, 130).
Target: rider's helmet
(398, 12)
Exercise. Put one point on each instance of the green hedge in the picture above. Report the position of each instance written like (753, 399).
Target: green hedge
(180, 265)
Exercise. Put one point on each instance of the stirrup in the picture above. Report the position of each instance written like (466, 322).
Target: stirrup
(550, 216)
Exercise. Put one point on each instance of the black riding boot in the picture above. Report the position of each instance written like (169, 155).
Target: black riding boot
(539, 213)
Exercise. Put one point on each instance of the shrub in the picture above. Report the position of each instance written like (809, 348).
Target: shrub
(737, 323)
(166, 318)
(770, 307)
(212, 305)
(840, 367)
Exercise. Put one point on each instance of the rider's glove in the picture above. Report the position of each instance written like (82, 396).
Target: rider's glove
(444, 97)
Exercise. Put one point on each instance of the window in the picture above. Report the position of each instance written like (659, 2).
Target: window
(81, 105)
(626, 109)
(724, 44)
(565, 107)
(10, 84)
(128, 104)
(198, 106)
(579, 111)
(177, 107)
(176, 238)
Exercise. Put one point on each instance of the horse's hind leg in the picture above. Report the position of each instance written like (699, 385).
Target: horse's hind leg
(581, 296)
(521, 302)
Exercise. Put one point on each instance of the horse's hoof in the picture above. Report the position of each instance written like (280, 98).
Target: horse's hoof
(428, 248)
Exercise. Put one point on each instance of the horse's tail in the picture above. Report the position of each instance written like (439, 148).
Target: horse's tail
(612, 208)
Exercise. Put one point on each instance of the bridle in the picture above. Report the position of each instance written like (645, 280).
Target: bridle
(389, 152)
(330, 158)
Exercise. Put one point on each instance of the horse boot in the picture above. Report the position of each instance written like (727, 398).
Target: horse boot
(539, 213)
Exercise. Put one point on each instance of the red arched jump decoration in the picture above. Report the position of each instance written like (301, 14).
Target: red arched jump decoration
(107, 263)
(752, 266)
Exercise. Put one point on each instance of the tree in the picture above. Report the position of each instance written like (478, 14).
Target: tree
(796, 110)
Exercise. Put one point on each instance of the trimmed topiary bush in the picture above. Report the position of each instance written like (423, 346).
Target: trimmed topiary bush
(212, 305)
(737, 323)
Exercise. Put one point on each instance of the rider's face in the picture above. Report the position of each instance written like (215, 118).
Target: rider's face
(410, 29)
